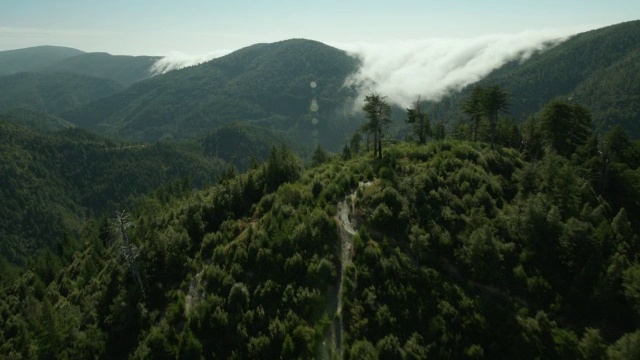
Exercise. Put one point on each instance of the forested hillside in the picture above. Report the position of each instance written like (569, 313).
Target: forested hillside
(458, 250)
(52, 93)
(244, 145)
(597, 69)
(499, 236)
(35, 120)
(50, 183)
(293, 87)
(124, 69)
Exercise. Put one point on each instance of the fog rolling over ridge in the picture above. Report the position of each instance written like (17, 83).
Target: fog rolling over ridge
(430, 68)
(178, 60)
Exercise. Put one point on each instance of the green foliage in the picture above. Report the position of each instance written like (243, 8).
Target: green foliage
(565, 127)
(36, 120)
(627, 347)
(282, 166)
(487, 102)
(52, 93)
(319, 156)
(460, 250)
(420, 121)
(50, 182)
(363, 350)
(378, 114)
(242, 145)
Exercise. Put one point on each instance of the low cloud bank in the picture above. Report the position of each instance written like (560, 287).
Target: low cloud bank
(177, 60)
(432, 68)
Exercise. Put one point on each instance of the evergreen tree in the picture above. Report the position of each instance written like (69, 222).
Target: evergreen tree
(494, 101)
(354, 143)
(319, 156)
(565, 126)
(473, 108)
(420, 121)
(378, 112)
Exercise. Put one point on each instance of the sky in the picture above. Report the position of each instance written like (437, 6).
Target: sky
(198, 27)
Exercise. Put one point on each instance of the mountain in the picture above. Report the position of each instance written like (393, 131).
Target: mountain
(243, 144)
(36, 120)
(51, 181)
(598, 69)
(52, 93)
(123, 69)
(293, 87)
(33, 58)
(449, 250)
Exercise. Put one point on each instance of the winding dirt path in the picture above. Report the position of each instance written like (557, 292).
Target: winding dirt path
(346, 255)
(332, 344)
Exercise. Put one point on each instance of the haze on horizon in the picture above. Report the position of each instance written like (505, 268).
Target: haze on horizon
(197, 27)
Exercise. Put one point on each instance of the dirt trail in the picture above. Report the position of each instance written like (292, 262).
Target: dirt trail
(193, 297)
(333, 337)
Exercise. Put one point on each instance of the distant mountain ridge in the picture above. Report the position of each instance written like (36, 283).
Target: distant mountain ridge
(54, 59)
(33, 58)
(296, 89)
(123, 69)
(283, 86)
(52, 93)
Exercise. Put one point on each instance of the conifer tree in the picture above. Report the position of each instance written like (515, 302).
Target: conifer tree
(378, 112)
(420, 121)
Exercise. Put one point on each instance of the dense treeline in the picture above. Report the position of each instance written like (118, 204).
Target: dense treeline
(233, 271)
(52, 93)
(526, 250)
(474, 253)
(494, 238)
(50, 183)
(243, 144)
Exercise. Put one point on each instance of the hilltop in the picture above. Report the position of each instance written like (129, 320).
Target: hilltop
(33, 58)
(458, 250)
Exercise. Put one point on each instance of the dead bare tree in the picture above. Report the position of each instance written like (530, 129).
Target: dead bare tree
(127, 250)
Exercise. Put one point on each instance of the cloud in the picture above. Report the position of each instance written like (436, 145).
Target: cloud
(177, 60)
(432, 68)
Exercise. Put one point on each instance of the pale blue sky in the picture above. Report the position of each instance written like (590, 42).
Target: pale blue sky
(157, 27)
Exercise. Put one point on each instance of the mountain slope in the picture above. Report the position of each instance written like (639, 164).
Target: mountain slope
(458, 251)
(597, 69)
(36, 120)
(33, 58)
(243, 144)
(123, 69)
(283, 86)
(52, 93)
(49, 182)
